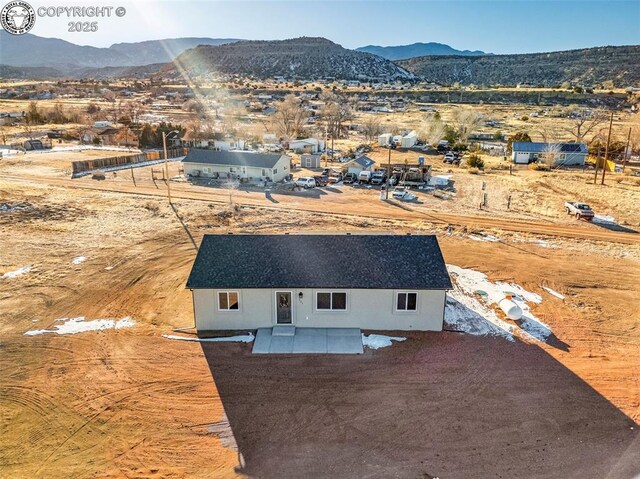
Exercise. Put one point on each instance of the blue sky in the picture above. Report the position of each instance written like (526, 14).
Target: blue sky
(515, 26)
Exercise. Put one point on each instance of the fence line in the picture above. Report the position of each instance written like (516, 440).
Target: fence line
(80, 166)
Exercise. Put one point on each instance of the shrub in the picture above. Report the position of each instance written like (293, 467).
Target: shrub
(474, 161)
(538, 167)
(524, 118)
(152, 207)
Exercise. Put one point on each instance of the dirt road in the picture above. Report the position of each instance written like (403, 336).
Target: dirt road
(354, 207)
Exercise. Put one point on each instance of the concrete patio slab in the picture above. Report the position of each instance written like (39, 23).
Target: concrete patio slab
(309, 341)
(283, 331)
(281, 344)
(347, 344)
(314, 341)
(262, 342)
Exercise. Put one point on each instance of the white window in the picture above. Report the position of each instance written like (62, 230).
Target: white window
(264, 172)
(228, 301)
(331, 301)
(407, 301)
(275, 170)
(232, 170)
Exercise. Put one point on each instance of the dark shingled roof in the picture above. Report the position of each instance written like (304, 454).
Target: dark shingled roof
(364, 161)
(540, 147)
(319, 261)
(232, 158)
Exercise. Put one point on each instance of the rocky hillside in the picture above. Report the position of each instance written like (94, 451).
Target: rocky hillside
(68, 57)
(588, 67)
(302, 58)
(401, 52)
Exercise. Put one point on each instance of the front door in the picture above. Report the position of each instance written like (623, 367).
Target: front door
(283, 307)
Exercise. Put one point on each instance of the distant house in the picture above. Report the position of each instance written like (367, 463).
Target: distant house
(362, 163)
(257, 281)
(242, 165)
(310, 161)
(308, 145)
(119, 137)
(565, 154)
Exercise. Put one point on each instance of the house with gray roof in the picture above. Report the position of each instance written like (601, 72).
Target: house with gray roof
(241, 165)
(362, 163)
(555, 154)
(391, 282)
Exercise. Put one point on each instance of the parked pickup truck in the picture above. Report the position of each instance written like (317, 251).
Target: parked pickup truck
(579, 210)
(378, 178)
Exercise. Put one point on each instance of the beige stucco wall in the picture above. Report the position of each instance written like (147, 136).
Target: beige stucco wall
(366, 309)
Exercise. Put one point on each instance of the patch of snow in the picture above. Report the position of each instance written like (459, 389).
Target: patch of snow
(80, 325)
(488, 238)
(474, 295)
(604, 219)
(377, 341)
(467, 314)
(108, 268)
(16, 273)
(553, 293)
(244, 338)
(78, 259)
(544, 244)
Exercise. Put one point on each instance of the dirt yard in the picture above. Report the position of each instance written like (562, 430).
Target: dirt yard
(129, 403)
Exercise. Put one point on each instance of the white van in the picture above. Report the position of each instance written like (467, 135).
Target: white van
(364, 177)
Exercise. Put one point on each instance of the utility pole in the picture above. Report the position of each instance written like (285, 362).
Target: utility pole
(166, 164)
(606, 151)
(386, 191)
(595, 178)
(624, 162)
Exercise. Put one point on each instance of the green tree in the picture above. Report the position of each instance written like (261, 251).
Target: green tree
(474, 161)
(521, 136)
(450, 134)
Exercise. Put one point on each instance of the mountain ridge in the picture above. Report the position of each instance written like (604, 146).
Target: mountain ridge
(403, 52)
(586, 67)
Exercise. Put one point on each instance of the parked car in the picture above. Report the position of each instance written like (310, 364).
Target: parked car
(579, 210)
(350, 178)
(335, 177)
(378, 178)
(321, 180)
(365, 176)
(400, 193)
(305, 182)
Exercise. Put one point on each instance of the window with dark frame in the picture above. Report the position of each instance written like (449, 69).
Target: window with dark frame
(407, 302)
(331, 301)
(228, 301)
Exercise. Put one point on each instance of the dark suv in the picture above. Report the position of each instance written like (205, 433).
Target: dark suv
(350, 178)
(321, 180)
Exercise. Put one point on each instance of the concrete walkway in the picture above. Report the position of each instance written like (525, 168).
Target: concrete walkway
(292, 340)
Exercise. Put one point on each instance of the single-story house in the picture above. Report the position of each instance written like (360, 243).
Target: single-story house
(362, 163)
(392, 282)
(557, 154)
(244, 165)
(310, 161)
(307, 145)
